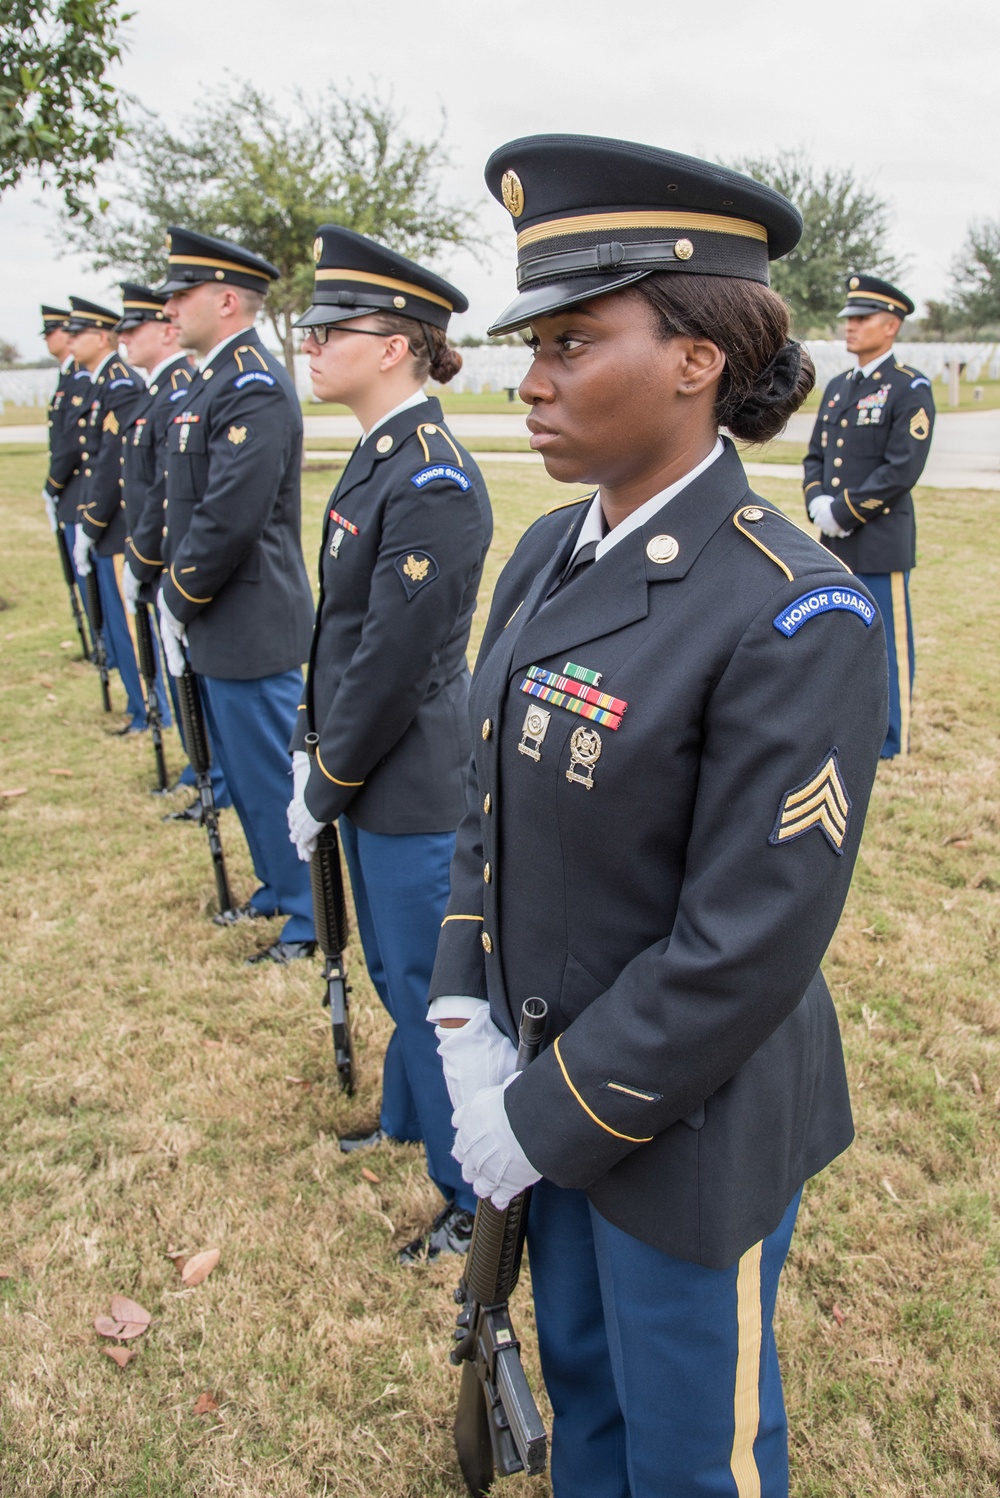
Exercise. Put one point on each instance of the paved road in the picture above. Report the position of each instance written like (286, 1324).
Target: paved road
(965, 448)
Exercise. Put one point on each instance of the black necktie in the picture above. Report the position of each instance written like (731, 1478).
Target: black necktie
(578, 562)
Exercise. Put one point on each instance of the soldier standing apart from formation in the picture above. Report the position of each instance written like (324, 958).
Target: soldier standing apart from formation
(386, 702)
(234, 596)
(867, 450)
(99, 540)
(675, 741)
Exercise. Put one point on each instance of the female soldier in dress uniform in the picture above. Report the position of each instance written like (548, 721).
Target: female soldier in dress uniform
(404, 542)
(677, 714)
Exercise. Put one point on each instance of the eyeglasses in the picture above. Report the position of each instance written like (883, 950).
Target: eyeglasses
(320, 332)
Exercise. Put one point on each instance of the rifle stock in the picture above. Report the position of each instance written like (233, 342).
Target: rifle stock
(67, 566)
(196, 744)
(330, 912)
(147, 668)
(100, 657)
(497, 1425)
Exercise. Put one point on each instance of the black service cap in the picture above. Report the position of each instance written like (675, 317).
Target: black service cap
(54, 317)
(139, 305)
(867, 294)
(89, 315)
(356, 275)
(193, 258)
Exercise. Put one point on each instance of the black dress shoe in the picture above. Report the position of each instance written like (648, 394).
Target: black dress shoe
(247, 912)
(130, 727)
(190, 813)
(282, 952)
(366, 1141)
(449, 1233)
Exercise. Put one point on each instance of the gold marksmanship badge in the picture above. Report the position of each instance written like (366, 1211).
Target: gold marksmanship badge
(512, 193)
(533, 731)
(584, 752)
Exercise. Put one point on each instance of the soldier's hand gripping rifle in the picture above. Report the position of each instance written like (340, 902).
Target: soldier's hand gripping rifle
(70, 576)
(196, 744)
(100, 655)
(330, 912)
(147, 668)
(497, 1425)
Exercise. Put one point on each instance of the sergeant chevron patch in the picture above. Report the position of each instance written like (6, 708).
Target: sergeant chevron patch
(821, 801)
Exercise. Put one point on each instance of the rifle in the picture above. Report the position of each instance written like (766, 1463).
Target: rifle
(497, 1424)
(330, 912)
(70, 576)
(147, 668)
(196, 744)
(96, 612)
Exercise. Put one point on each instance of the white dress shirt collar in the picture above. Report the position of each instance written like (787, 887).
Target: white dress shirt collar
(593, 528)
(869, 369)
(416, 399)
(64, 366)
(103, 366)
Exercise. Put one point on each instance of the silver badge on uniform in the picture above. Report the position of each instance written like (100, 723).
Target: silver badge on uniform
(338, 536)
(584, 752)
(185, 434)
(533, 731)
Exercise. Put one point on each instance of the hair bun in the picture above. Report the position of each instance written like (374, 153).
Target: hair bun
(778, 390)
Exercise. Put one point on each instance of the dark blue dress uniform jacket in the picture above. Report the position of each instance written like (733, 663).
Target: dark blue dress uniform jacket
(68, 416)
(100, 509)
(143, 464)
(232, 544)
(675, 914)
(867, 450)
(388, 683)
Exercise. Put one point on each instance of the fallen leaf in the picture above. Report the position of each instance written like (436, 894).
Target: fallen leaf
(108, 1326)
(838, 1314)
(205, 1403)
(20, 790)
(888, 1186)
(121, 1355)
(128, 1310)
(51, 697)
(61, 772)
(6, 1274)
(133, 1329)
(977, 1086)
(370, 1175)
(200, 1266)
(66, 645)
(212, 1045)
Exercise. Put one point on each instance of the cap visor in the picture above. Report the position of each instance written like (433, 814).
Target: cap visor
(543, 301)
(317, 315)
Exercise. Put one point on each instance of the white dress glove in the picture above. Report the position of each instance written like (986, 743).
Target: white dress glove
(81, 551)
(488, 1150)
(131, 587)
(300, 771)
(50, 510)
(475, 1056)
(821, 514)
(173, 638)
(303, 828)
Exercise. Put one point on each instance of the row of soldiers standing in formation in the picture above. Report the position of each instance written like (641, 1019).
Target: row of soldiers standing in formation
(662, 850)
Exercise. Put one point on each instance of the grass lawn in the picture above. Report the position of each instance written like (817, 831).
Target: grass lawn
(157, 1097)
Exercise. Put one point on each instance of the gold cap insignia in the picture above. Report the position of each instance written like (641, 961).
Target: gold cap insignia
(416, 567)
(168, 244)
(237, 435)
(821, 801)
(383, 444)
(317, 249)
(662, 549)
(512, 193)
(920, 426)
(684, 249)
(854, 283)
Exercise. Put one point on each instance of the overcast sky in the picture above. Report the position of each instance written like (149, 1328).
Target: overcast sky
(904, 94)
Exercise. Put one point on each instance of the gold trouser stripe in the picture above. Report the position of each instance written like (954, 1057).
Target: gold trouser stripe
(460, 918)
(901, 635)
(333, 777)
(387, 281)
(596, 223)
(428, 426)
(746, 1400)
(589, 1111)
(119, 561)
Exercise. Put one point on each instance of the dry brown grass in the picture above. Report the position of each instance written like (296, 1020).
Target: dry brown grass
(146, 1106)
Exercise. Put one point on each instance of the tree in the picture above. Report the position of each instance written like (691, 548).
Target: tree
(266, 178)
(59, 117)
(976, 275)
(10, 354)
(845, 228)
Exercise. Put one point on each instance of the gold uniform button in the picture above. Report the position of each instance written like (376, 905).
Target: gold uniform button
(121, 483)
(85, 457)
(844, 422)
(487, 941)
(835, 482)
(487, 804)
(840, 441)
(383, 444)
(684, 249)
(837, 462)
(86, 473)
(487, 727)
(82, 422)
(753, 513)
(487, 873)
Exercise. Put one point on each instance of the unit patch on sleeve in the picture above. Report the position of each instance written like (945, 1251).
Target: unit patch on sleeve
(415, 570)
(821, 601)
(821, 801)
(441, 471)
